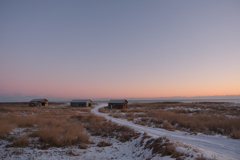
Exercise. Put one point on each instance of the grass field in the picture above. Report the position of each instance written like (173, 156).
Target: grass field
(59, 125)
(207, 118)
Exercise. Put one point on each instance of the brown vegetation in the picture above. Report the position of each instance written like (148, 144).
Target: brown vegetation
(59, 134)
(208, 118)
(57, 127)
(103, 144)
(99, 126)
(52, 126)
(219, 124)
(101, 110)
(162, 146)
(167, 125)
(5, 125)
(21, 141)
(235, 134)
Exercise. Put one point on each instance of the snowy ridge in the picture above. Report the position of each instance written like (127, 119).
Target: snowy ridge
(211, 147)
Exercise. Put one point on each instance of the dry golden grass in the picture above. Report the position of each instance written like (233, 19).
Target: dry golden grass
(82, 146)
(115, 115)
(136, 110)
(213, 106)
(235, 134)
(21, 141)
(162, 146)
(130, 115)
(101, 110)
(198, 123)
(155, 105)
(85, 109)
(60, 135)
(17, 120)
(6, 125)
(167, 125)
(53, 126)
(26, 121)
(15, 104)
(141, 123)
(99, 126)
(103, 144)
(58, 127)
(204, 117)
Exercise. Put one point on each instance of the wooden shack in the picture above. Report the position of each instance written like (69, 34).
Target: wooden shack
(81, 103)
(38, 102)
(117, 103)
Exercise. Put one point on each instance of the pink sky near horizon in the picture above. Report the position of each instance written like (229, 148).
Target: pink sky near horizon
(120, 89)
(103, 49)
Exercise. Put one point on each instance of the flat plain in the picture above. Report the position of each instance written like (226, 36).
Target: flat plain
(60, 131)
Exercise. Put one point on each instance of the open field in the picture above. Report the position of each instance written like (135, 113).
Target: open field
(208, 118)
(61, 132)
(212, 146)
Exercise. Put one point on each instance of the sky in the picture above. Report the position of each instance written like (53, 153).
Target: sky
(66, 49)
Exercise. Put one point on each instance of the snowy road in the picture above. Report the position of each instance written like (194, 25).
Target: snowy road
(212, 147)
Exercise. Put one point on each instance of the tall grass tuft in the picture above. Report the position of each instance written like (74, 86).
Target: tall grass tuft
(21, 141)
(6, 125)
(60, 132)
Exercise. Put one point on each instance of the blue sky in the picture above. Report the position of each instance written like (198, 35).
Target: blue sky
(97, 49)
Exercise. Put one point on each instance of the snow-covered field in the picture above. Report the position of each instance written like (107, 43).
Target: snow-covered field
(200, 145)
(210, 147)
(133, 149)
(118, 150)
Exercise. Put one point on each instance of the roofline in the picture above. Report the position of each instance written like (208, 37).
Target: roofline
(80, 100)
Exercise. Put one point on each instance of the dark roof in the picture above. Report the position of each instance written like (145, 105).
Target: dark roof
(39, 100)
(117, 101)
(80, 101)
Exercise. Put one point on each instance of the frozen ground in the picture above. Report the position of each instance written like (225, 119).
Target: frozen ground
(119, 151)
(130, 150)
(210, 147)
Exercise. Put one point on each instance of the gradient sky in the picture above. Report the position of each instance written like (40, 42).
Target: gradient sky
(119, 49)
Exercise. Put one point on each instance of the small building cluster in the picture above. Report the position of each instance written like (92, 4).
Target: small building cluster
(112, 104)
(38, 102)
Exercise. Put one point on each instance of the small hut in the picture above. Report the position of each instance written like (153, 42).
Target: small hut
(117, 103)
(38, 102)
(81, 103)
